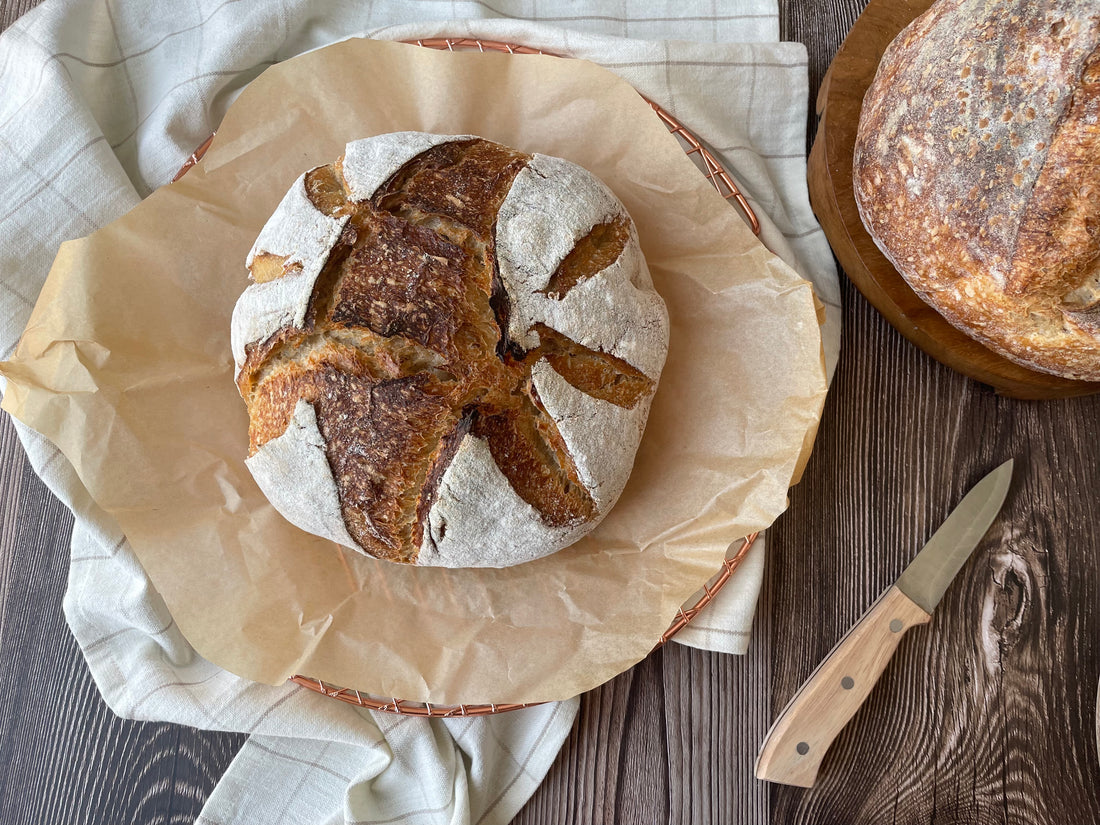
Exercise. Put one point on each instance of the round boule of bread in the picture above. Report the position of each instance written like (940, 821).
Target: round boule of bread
(448, 352)
(976, 173)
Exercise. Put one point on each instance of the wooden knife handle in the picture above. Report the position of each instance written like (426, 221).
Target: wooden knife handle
(797, 742)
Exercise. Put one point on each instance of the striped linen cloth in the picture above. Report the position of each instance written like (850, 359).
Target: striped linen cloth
(102, 100)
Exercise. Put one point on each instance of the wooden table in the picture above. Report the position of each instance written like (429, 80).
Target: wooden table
(985, 715)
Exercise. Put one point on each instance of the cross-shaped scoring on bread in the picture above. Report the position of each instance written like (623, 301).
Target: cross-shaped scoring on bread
(449, 351)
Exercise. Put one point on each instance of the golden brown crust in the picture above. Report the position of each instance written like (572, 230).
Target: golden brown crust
(594, 252)
(288, 373)
(394, 332)
(326, 190)
(974, 171)
(598, 374)
(267, 267)
(1066, 200)
(528, 449)
(403, 280)
(402, 353)
(463, 181)
(382, 440)
(441, 460)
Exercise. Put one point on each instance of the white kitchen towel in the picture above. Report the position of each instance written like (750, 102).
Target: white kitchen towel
(100, 102)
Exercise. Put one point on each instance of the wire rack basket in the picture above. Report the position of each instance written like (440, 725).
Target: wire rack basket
(401, 706)
(721, 180)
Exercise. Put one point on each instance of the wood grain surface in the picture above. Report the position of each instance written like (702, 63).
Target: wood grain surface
(803, 732)
(66, 758)
(12, 10)
(986, 715)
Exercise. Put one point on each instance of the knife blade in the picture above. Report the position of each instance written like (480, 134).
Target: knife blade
(798, 740)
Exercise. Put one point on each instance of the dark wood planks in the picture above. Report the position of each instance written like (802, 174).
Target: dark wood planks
(64, 756)
(986, 715)
(821, 26)
(672, 740)
(12, 10)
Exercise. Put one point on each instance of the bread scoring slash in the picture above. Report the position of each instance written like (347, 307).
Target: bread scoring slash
(976, 172)
(448, 351)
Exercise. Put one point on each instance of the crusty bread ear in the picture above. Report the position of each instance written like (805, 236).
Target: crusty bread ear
(394, 319)
(975, 172)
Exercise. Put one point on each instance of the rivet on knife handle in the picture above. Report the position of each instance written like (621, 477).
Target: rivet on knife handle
(798, 740)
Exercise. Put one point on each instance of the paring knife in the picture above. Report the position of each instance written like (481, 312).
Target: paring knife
(797, 742)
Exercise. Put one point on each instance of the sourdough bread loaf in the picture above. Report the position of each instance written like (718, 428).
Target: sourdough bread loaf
(977, 172)
(448, 352)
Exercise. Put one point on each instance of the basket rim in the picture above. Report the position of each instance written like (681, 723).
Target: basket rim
(721, 180)
(404, 707)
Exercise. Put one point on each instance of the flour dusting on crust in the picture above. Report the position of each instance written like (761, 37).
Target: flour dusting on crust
(312, 501)
(615, 311)
(303, 236)
(552, 204)
(600, 299)
(263, 309)
(479, 521)
(601, 437)
(299, 232)
(371, 162)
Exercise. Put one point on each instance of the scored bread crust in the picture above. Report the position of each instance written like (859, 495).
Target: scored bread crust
(449, 351)
(975, 172)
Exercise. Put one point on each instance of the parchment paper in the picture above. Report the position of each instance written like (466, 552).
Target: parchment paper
(126, 366)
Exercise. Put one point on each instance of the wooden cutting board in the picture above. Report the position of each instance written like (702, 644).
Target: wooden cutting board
(831, 194)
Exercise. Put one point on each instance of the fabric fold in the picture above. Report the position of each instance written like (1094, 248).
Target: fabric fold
(102, 104)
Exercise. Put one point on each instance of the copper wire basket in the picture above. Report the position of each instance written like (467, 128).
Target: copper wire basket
(721, 180)
(708, 164)
(400, 706)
